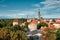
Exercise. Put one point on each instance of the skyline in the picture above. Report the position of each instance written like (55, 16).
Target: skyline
(22, 8)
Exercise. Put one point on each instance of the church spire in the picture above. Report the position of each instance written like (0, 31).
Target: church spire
(27, 16)
(39, 14)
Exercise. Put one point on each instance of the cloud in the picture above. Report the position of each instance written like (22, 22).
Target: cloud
(37, 5)
(48, 4)
(19, 14)
(50, 8)
(14, 10)
(25, 12)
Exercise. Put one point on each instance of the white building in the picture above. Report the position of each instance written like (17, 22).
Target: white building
(56, 25)
(28, 20)
(15, 22)
(33, 25)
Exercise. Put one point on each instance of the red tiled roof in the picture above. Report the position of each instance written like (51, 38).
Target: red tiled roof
(51, 26)
(41, 20)
(58, 19)
(34, 21)
(57, 22)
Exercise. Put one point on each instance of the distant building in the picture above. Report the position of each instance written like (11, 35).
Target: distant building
(51, 26)
(58, 20)
(15, 22)
(28, 19)
(57, 24)
(33, 25)
(38, 21)
(22, 24)
(39, 14)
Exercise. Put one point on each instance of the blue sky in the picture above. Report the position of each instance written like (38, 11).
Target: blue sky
(22, 8)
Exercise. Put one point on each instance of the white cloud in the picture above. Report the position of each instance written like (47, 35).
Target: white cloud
(37, 5)
(14, 10)
(50, 8)
(48, 4)
(18, 13)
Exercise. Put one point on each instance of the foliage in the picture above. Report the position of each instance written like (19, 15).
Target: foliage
(2, 24)
(58, 34)
(53, 20)
(8, 22)
(26, 25)
(41, 24)
(7, 34)
(31, 38)
(22, 20)
(10, 32)
(49, 34)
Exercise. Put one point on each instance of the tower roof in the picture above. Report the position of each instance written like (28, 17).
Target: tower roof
(39, 14)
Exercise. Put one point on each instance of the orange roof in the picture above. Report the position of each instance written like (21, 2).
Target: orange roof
(57, 22)
(15, 20)
(51, 26)
(34, 21)
(41, 20)
(58, 19)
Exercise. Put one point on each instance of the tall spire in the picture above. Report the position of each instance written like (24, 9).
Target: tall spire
(38, 13)
(27, 17)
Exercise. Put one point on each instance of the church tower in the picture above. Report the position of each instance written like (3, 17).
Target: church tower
(27, 17)
(39, 16)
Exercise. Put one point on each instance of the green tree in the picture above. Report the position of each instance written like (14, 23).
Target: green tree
(53, 20)
(31, 38)
(58, 34)
(41, 24)
(49, 34)
(2, 24)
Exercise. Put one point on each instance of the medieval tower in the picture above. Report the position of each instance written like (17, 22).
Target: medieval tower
(39, 16)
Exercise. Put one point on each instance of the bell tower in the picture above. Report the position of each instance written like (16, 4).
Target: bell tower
(39, 16)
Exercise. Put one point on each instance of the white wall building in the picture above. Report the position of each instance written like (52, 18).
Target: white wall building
(56, 25)
(15, 22)
(28, 20)
(33, 25)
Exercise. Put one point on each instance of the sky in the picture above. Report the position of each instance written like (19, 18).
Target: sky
(22, 8)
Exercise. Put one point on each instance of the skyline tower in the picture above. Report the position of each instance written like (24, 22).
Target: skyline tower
(27, 17)
(39, 16)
